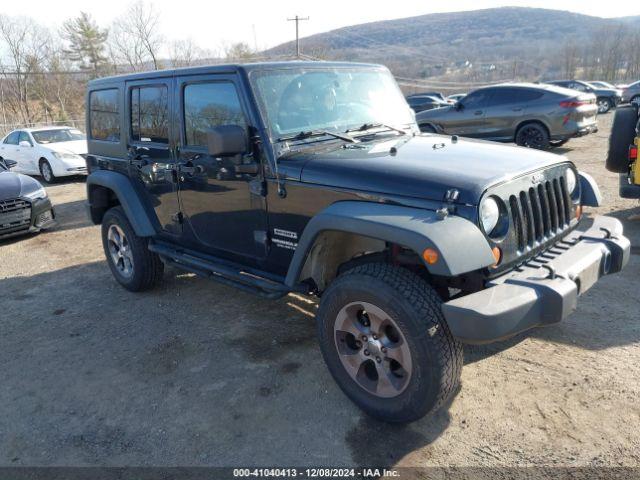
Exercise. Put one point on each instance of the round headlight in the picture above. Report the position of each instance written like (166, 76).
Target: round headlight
(489, 214)
(572, 181)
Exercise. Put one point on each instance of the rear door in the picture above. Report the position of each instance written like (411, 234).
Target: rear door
(224, 208)
(150, 147)
(507, 108)
(9, 150)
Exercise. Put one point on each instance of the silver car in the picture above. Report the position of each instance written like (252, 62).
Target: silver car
(631, 92)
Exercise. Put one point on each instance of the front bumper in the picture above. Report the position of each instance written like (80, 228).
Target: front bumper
(42, 217)
(544, 290)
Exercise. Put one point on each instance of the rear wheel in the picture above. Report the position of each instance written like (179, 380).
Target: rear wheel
(427, 129)
(533, 135)
(386, 343)
(131, 263)
(604, 105)
(46, 171)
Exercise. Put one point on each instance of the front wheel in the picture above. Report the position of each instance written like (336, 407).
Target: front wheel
(533, 135)
(47, 172)
(604, 105)
(386, 342)
(131, 263)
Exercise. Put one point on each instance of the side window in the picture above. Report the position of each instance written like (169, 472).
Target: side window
(24, 137)
(104, 118)
(12, 138)
(577, 86)
(477, 99)
(208, 105)
(506, 96)
(150, 114)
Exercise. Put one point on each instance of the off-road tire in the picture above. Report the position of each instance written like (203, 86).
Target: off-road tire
(623, 132)
(414, 305)
(47, 175)
(532, 135)
(147, 266)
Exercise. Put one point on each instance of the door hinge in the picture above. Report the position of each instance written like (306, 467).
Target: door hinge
(178, 217)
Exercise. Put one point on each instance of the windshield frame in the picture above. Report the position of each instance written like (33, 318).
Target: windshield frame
(276, 137)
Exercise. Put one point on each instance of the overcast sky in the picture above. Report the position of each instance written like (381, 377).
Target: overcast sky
(213, 23)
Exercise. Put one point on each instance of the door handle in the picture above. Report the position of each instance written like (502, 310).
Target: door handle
(517, 109)
(478, 112)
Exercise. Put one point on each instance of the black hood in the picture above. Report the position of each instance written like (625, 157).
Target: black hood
(13, 185)
(425, 166)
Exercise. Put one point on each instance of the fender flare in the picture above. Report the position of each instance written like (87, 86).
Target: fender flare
(591, 196)
(121, 186)
(462, 246)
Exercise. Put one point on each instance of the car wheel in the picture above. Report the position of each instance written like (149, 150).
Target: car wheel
(533, 135)
(623, 132)
(427, 129)
(47, 172)
(604, 105)
(132, 264)
(386, 342)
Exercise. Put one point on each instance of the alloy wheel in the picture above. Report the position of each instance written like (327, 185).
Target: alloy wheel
(372, 349)
(46, 172)
(531, 137)
(120, 251)
(603, 106)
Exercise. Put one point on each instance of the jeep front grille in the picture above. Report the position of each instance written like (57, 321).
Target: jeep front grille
(541, 212)
(14, 215)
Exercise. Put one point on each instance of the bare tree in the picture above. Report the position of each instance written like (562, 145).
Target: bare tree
(135, 39)
(25, 42)
(184, 53)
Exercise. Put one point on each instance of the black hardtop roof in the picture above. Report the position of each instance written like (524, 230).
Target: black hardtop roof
(224, 68)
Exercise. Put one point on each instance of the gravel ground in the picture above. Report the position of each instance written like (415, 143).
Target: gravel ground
(196, 373)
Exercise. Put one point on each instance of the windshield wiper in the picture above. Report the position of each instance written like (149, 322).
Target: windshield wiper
(368, 126)
(317, 133)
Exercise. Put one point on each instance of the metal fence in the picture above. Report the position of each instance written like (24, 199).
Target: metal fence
(8, 127)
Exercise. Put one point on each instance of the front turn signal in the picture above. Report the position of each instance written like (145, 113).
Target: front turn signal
(430, 256)
(497, 255)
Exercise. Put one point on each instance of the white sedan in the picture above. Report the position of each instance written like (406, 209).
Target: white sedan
(48, 151)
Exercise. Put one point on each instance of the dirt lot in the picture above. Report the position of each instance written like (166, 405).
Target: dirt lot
(196, 373)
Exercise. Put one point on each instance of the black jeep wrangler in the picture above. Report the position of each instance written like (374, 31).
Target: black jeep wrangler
(314, 178)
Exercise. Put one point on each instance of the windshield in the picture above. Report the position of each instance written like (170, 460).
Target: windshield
(294, 100)
(58, 135)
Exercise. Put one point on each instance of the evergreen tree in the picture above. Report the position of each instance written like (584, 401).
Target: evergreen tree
(86, 43)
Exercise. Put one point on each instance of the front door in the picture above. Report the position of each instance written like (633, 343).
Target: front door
(468, 117)
(150, 148)
(223, 208)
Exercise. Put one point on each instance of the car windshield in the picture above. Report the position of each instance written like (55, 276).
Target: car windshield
(295, 100)
(58, 135)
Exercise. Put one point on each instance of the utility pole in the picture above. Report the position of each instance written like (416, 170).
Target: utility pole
(297, 19)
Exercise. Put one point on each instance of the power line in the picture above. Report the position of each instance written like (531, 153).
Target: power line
(297, 19)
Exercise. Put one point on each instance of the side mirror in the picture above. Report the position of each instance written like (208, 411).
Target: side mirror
(226, 140)
(24, 143)
(10, 163)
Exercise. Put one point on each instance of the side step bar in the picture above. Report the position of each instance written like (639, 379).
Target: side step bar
(223, 271)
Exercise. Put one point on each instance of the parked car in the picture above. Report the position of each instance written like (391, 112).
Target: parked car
(631, 93)
(622, 156)
(607, 98)
(419, 103)
(531, 115)
(455, 97)
(601, 84)
(24, 204)
(51, 152)
(330, 189)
